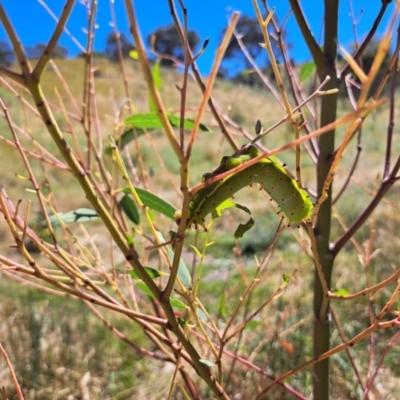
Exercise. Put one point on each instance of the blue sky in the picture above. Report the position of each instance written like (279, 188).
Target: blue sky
(207, 17)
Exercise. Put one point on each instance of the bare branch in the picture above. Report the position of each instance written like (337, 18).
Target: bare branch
(45, 57)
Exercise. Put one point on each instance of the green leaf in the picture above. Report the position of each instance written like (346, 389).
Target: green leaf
(142, 286)
(148, 121)
(124, 139)
(228, 203)
(181, 322)
(286, 280)
(153, 273)
(180, 305)
(156, 75)
(154, 202)
(157, 82)
(207, 362)
(130, 209)
(306, 70)
(243, 228)
(172, 235)
(177, 304)
(222, 305)
(79, 215)
(252, 324)
(183, 272)
(152, 121)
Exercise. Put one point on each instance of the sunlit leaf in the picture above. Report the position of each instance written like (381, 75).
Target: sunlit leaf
(154, 202)
(222, 305)
(228, 203)
(148, 121)
(177, 304)
(152, 121)
(306, 70)
(157, 82)
(142, 286)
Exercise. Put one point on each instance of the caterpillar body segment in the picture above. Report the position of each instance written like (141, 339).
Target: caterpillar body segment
(227, 163)
(285, 191)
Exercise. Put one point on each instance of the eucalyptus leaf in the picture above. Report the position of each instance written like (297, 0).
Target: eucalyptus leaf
(153, 273)
(242, 228)
(79, 215)
(183, 272)
(154, 202)
(142, 286)
(306, 70)
(130, 209)
(177, 304)
(157, 82)
(152, 121)
(127, 137)
(207, 362)
(149, 121)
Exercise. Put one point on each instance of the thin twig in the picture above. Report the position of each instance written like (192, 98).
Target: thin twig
(52, 43)
(12, 373)
(345, 70)
(215, 109)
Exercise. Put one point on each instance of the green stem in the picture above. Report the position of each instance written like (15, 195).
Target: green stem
(321, 333)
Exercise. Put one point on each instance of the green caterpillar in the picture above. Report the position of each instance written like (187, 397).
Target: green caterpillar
(227, 163)
(292, 200)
